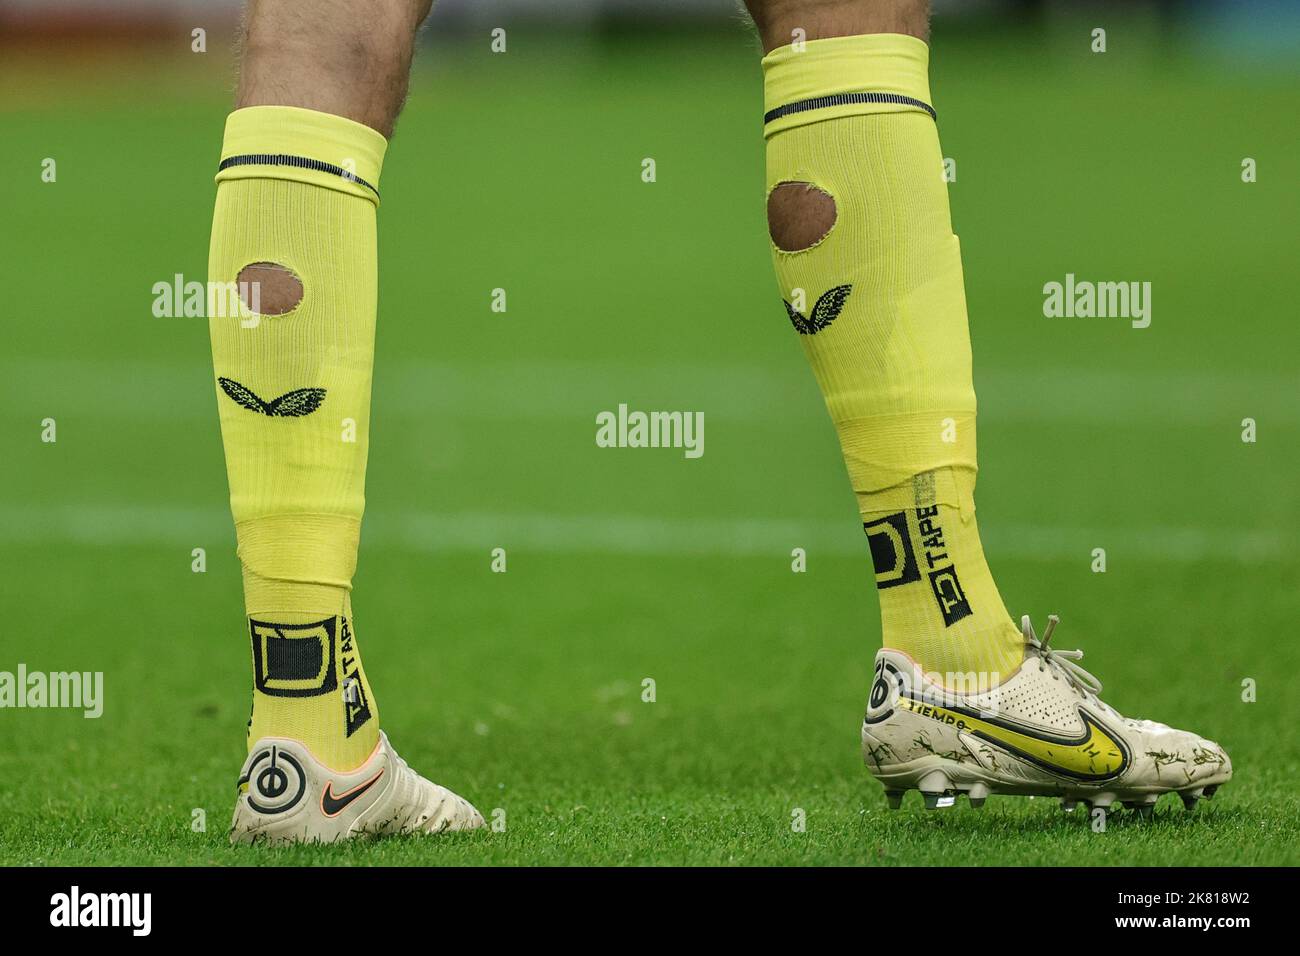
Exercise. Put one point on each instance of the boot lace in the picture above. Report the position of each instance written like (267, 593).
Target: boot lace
(1062, 664)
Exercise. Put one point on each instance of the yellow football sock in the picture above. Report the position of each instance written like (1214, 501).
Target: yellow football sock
(298, 188)
(881, 310)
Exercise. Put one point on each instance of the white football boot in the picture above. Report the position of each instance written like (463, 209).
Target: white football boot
(1042, 732)
(287, 796)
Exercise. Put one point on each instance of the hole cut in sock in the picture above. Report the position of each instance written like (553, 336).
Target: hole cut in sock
(269, 288)
(799, 215)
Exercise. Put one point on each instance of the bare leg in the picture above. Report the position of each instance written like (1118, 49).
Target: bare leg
(857, 207)
(861, 238)
(799, 216)
(298, 186)
(334, 56)
(778, 19)
(324, 56)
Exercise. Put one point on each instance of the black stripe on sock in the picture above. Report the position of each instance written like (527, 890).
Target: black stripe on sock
(843, 99)
(299, 162)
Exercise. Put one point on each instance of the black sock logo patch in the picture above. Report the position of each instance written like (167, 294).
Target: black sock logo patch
(293, 660)
(894, 556)
(295, 404)
(355, 706)
(825, 310)
(948, 593)
(891, 551)
(943, 575)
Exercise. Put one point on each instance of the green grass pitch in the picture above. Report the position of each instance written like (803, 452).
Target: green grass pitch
(523, 690)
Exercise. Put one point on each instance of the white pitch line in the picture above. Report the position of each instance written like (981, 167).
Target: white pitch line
(630, 534)
(783, 394)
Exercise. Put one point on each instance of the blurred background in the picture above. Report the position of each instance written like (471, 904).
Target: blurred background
(522, 170)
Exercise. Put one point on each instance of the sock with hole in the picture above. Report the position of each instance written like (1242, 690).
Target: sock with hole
(880, 308)
(297, 189)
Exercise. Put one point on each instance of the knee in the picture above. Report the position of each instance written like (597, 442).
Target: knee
(389, 26)
(334, 31)
(777, 20)
(419, 10)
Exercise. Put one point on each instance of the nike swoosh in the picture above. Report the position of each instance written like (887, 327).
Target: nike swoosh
(1096, 754)
(332, 805)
